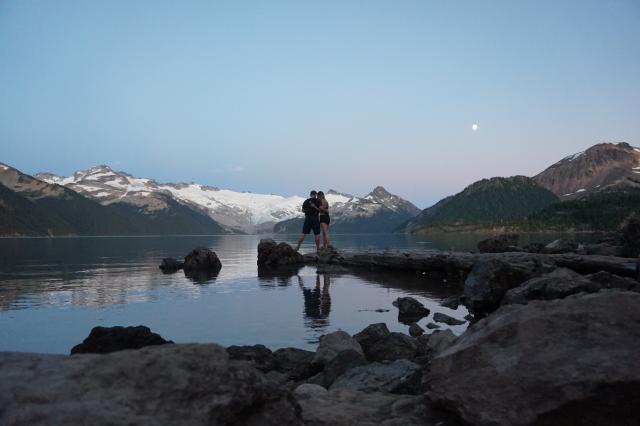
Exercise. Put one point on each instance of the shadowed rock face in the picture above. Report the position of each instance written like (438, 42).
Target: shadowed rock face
(575, 362)
(103, 340)
(162, 385)
(499, 244)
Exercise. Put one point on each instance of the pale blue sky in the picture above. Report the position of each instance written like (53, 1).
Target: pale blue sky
(278, 97)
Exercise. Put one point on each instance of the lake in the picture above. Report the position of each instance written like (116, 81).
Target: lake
(54, 290)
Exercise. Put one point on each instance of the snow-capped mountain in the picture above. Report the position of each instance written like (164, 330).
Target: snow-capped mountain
(243, 211)
(602, 166)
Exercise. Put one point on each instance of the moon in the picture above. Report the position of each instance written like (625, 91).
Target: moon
(474, 127)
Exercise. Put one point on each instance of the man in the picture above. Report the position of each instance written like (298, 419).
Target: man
(311, 209)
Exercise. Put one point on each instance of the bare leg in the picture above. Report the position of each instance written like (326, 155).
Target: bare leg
(317, 242)
(300, 240)
(325, 234)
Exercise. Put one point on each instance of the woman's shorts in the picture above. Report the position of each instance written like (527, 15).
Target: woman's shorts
(324, 218)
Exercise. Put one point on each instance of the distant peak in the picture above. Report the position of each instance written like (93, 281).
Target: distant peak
(101, 168)
(380, 191)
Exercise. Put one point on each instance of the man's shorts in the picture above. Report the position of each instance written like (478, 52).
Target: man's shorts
(311, 223)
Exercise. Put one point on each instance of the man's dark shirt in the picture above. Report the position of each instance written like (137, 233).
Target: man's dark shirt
(308, 210)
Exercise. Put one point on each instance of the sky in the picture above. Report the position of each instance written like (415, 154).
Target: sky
(281, 97)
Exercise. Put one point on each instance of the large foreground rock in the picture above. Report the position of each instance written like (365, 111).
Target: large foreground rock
(274, 256)
(103, 340)
(569, 361)
(356, 408)
(332, 344)
(160, 385)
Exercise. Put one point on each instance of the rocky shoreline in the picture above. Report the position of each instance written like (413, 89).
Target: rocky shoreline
(554, 340)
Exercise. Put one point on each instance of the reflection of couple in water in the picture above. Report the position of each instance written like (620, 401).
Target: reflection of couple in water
(317, 302)
(316, 217)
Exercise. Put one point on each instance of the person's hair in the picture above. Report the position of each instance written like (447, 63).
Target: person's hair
(320, 194)
(313, 192)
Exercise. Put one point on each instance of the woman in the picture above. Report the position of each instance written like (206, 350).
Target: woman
(324, 218)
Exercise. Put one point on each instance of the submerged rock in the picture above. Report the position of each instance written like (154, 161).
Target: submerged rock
(575, 362)
(444, 318)
(272, 255)
(170, 265)
(102, 340)
(500, 244)
(410, 310)
(202, 259)
(160, 385)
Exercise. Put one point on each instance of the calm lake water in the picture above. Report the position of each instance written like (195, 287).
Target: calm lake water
(54, 290)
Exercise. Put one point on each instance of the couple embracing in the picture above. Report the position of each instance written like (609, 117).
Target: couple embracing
(316, 218)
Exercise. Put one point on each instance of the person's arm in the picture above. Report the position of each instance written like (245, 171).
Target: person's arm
(324, 207)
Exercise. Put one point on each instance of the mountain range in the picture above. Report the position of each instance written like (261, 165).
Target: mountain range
(591, 190)
(121, 204)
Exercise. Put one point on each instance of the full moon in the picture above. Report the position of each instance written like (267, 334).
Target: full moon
(474, 127)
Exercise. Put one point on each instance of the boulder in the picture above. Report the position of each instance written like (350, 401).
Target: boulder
(372, 334)
(415, 330)
(340, 364)
(489, 280)
(567, 361)
(389, 376)
(273, 256)
(170, 265)
(202, 259)
(561, 245)
(328, 255)
(102, 340)
(410, 310)
(259, 355)
(160, 385)
(444, 318)
(387, 347)
(296, 363)
(499, 244)
(332, 344)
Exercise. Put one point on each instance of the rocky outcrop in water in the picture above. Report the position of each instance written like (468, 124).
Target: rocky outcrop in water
(170, 265)
(272, 255)
(202, 259)
(410, 310)
(575, 362)
(160, 385)
(104, 340)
